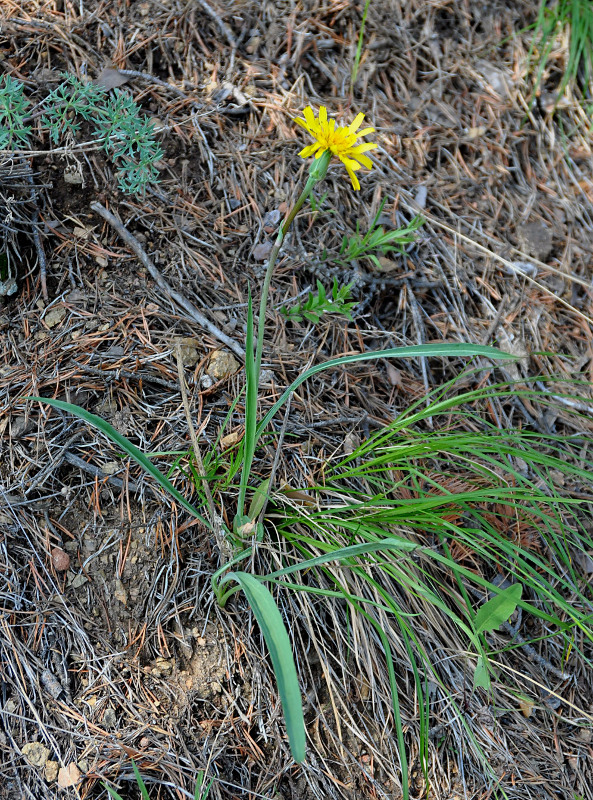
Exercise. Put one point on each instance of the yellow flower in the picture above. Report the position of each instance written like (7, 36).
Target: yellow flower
(340, 140)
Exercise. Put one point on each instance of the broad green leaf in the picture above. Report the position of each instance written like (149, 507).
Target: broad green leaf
(499, 609)
(127, 447)
(272, 627)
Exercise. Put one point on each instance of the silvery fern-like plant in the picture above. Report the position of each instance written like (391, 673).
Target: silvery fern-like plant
(119, 125)
(14, 133)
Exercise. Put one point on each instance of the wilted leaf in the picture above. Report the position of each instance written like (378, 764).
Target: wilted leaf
(110, 78)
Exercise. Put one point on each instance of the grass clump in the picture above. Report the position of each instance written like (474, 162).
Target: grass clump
(574, 20)
(484, 537)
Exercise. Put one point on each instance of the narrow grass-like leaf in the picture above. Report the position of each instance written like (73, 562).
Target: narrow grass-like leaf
(252, 383)
(274, 632)
(127, 447)
(499, 609)
(446, 350)
(260, 496)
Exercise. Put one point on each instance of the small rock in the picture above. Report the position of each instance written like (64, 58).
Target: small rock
(351, 442)
(54, 316)
(498, 79)
(109, 718)
(206, 382)
(266, 377)
(525, 267)
(60, 559)
(271, 220)
(120, 593)
(475, 133)
(36, 754)
(388, 264)
(536, 239)
(262, 251)
(20, 426)
(111, 467)
(190, 355)
(78, 581)
(222, 364)
(51, 770)
(73, 175)
(253, 44)
(161, 666)
(230, 440)
(68, 776)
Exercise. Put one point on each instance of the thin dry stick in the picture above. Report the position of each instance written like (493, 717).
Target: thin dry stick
(220, 22)
(215, 520)
(36, 236)
(420, 337)
(192, 433)
(193, 312)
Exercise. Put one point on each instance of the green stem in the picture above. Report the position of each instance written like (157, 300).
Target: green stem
(317, 172)
(263, 303)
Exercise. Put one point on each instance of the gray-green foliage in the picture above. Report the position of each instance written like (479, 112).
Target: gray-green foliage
(13, 106)
(118, 125)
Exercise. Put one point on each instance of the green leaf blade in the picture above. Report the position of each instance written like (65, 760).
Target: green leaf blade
(499, 609)
(274, 632)
(127, 446)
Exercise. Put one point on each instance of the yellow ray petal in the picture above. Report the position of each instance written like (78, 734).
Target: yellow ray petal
(353, 178)
(310, 149)
(302, 123)
(309, 115)
(364, 160)
(349, 163)
(362, 148)
(356, 123)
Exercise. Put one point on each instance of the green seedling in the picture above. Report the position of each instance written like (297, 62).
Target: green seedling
(318, 304)
(378, 240)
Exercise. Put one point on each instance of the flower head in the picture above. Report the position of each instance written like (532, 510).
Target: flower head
(339, 140)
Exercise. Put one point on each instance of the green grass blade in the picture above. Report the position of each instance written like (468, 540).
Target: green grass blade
(252, 382)
(356, 64)
(272, 627)
(127, 447)
(140, 782)
(112, 792)
(343, 553)
(445, 350)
